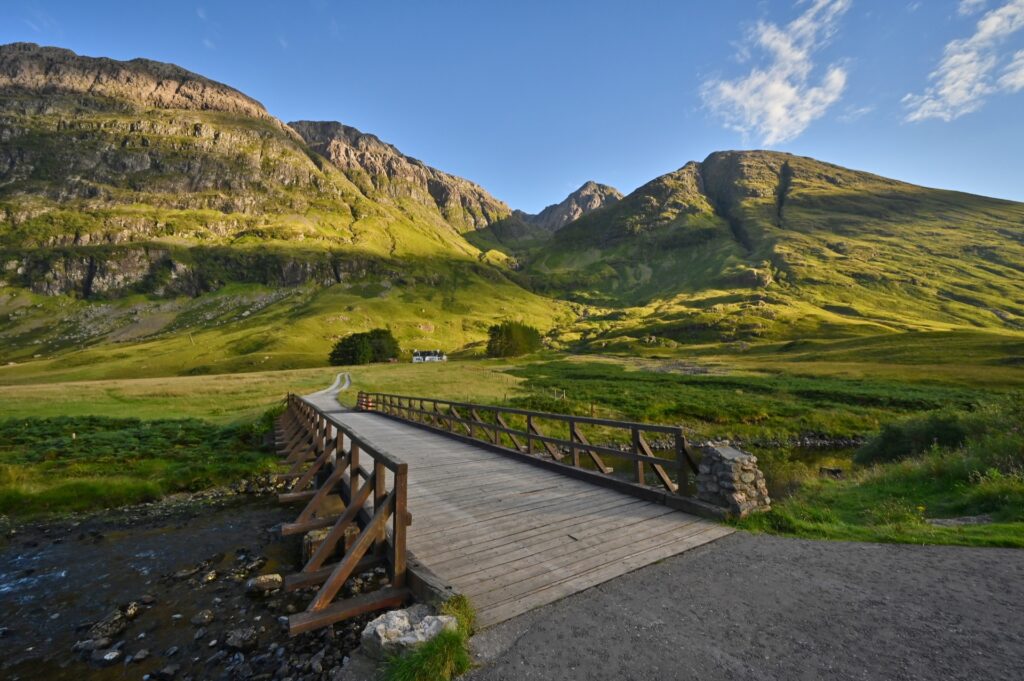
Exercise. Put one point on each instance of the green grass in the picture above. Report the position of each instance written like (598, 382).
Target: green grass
(441, 658)
(64, 464)
(890, 502)
(747, 405)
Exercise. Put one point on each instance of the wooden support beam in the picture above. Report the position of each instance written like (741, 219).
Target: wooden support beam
(350, 607)
(517, 443)
(658, 469)
(325, 489)
(333, 585)
(551, 449)
(329, 543)
(303, 580)
(598, 461)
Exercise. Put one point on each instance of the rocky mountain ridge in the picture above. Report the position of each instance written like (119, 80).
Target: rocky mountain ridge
(37, 70)
(589, 197)
(375, 165)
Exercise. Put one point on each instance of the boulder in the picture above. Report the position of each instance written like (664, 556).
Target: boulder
(398, 631)
(264, 583)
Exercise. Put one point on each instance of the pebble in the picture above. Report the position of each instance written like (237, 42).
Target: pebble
(203, 617)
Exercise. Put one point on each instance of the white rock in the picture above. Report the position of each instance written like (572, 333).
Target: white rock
(381, 632)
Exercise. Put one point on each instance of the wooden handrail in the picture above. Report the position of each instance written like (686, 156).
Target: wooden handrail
(474, 422)
(314, 438)
(590, 420)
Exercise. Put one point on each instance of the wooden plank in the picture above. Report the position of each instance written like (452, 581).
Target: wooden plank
(347, 608)
(454, 565)
(562, 559)
(303, 580)
(499, 612)
(498, 528)
(593, 562)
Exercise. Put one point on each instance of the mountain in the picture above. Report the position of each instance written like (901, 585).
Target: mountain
(518, 234)
(761, 244)
(141, 203)
(378, 167)
(587, 198)
(154, 222)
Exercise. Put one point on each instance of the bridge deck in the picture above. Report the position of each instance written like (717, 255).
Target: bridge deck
(511, 536)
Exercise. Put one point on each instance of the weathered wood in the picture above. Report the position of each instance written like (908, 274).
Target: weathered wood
(346, 609)
(345, 568)
(304, 580)
(488, 525)
(598, 462)
(330, 542)
(658, 469)
(509, 432)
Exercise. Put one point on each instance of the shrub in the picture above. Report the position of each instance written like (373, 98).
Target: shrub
(378, 345)
(510, 339)
(913, 437)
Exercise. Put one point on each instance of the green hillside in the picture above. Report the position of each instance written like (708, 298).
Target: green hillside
(765, 245)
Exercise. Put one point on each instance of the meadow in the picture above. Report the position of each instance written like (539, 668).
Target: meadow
(769, 398)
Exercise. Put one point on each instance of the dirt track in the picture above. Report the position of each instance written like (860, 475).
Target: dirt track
(758, 607)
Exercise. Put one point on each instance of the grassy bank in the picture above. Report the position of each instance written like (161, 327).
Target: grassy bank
(82, 463)
(941, 466)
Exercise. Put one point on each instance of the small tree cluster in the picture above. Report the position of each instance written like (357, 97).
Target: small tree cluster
(510, 339)
(377, 345)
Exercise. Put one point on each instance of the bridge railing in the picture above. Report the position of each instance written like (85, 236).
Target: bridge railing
(326, 461)
(652, 453)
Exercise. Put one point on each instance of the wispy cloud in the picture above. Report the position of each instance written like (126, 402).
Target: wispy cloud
(777, 100)
(209, 44)
(964, 79)
(282, 42)
(1012, 79)
(855, 113)
(968, 7)
(201, 13)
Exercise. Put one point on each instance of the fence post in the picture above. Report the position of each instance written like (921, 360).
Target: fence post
(682, 469)
(639, 465)
(529, 434)
(401, 486)
(572, 446)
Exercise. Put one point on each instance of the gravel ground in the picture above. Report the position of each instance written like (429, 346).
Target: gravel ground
(761, 607)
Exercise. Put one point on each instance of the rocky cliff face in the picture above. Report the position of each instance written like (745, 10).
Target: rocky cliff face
(378, 167)
(42, 71)
(586, 199)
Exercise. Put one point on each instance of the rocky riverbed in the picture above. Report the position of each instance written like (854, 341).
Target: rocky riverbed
(159, 591)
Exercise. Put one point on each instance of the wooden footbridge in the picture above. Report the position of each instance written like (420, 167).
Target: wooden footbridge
(483, 501)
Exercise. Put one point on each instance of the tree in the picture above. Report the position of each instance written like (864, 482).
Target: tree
(377, 345)
(510, 339)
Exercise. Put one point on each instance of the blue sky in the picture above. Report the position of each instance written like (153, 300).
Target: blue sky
(531, 99)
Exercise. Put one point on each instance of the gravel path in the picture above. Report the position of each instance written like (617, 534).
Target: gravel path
(760, 607)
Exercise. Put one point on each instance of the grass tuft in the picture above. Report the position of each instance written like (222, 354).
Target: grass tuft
(441, 658)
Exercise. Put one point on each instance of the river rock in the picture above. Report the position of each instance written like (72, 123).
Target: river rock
(111, 625)
(264, 583)
(106, 657)
(168, 672)
(242, 638)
